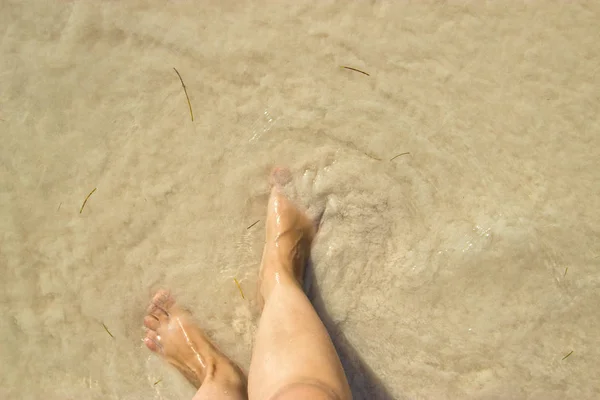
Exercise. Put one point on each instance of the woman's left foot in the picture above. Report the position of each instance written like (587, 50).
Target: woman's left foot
(172, 334)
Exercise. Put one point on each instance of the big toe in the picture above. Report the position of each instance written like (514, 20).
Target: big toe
(280, 177)
(152, 341)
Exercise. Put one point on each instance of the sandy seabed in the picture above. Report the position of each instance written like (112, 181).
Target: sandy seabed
(467, 269)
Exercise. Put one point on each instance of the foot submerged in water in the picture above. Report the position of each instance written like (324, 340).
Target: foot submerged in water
(289, 234)
(172, 334)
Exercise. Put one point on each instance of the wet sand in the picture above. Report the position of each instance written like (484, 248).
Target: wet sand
(468, 268)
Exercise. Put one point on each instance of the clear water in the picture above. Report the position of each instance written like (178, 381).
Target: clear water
(468, 268)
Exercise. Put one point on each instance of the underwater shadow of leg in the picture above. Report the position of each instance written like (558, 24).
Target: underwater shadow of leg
(363, 382)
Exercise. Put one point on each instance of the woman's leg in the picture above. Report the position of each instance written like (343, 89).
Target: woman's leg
(293, 357)
(172, 334)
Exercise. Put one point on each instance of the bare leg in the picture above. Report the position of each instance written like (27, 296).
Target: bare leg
(293, 356)
(172, 334)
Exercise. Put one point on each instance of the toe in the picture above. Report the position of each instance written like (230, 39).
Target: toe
(158, 313)
(152, 341)
(160, 305)
(151, 322)
(280, 177)
(163, 299)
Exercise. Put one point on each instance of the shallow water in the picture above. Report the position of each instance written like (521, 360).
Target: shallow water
(466, 269)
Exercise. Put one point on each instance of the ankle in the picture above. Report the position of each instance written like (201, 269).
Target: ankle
(282, 277)
(227, 373)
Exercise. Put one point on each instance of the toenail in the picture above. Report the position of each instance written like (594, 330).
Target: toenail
(158, 338)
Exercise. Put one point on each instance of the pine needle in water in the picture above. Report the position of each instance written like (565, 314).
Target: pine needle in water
(257, 221)
(86, 199)
(239, 288)
(354, 69)
(398, 155)
(186, 93)
(107, 331)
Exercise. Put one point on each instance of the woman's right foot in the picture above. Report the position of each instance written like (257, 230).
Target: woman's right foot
(289, 234)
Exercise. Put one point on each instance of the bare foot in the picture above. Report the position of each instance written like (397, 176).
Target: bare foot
(172, 334)
(289, 234)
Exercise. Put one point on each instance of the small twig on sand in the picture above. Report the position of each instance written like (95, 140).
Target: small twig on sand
(86, 199)
(571, 352)
(107, 331)
(354, 69)
(257, 221)
(157, 382)
(565, 274)
(186, 93)
(398, 155)
(59, 206)
(239, 287)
